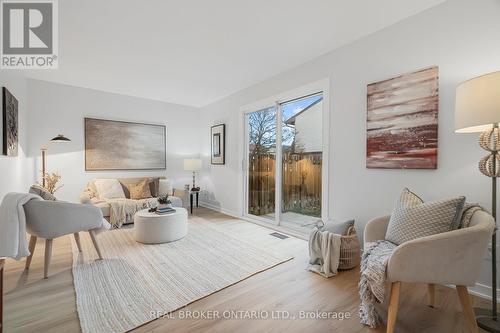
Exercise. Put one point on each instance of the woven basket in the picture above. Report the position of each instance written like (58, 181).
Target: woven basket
(350, 252)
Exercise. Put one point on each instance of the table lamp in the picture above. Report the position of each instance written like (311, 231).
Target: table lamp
(477, 109)
(193, 164)
(58, 139)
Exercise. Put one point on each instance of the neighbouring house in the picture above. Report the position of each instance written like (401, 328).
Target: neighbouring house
(307, 125)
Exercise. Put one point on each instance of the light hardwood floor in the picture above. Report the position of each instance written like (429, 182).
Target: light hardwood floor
(34, 304)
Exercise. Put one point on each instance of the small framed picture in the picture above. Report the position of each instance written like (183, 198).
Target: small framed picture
(218, 137)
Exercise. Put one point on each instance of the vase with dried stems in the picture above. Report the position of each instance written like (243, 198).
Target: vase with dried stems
(50, 181)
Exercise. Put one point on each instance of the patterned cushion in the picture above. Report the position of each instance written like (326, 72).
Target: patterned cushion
(412, 218)
(469, 210)
(46, 195)
(140, 190)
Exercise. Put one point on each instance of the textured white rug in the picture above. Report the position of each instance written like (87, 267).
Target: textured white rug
(136, 280)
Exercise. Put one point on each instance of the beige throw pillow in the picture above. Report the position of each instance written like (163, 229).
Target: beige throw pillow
(109, 189)
(140, 190)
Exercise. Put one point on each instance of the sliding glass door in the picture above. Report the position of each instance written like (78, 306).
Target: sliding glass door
(284, 162)
(302, 153)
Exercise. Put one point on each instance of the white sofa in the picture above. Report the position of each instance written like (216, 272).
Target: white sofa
(178, 197)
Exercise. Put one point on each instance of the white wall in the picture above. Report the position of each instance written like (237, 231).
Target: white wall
(14, 175)
(61, 109)
(460, 36)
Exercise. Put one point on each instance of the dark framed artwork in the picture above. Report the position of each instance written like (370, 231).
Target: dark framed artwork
(10, 121)
(218, 137)
(402, 121)
(122, 145)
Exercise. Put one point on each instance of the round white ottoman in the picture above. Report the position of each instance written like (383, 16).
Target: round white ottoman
(152, 228)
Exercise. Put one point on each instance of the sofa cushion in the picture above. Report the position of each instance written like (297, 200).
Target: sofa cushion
(140, 190)
(109, 189)
(165, 188)
(412, 218)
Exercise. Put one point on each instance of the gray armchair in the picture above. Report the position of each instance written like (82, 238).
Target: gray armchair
(52, 219)
(450, 258)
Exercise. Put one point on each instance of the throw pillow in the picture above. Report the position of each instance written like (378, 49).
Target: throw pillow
(165, 188)
(42, 192)
(154, 185)
(140, 190)
(412, 218)
(338, 228)
(109, 189)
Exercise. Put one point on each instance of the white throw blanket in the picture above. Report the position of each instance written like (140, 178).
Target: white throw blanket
(13, 242)
(123, 210)
(324, 252)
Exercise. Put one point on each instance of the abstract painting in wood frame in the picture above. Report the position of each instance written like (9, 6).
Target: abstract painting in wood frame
(402, 121)
(122, 145)
(10, 121)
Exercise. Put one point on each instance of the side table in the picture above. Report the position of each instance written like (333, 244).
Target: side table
(192, 194)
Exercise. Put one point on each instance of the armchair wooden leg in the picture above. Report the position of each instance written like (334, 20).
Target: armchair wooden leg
(432, 294)
(48, 254)
(32, 250)
(463, 294)
(77, 240)
(94, 241)
(393, 306)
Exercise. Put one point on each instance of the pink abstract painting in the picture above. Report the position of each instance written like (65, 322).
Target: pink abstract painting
(402, 121)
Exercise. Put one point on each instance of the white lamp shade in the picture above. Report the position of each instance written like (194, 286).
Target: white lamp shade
(477, 104)
(192, 164)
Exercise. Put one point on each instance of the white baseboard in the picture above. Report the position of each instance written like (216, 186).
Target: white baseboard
(217, 208)
(483, 291)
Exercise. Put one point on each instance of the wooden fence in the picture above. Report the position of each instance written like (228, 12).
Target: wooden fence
(301, 184)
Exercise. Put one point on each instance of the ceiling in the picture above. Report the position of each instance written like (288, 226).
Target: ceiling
(196, 52)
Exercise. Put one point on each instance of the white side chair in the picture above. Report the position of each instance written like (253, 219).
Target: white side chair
(52, 219)
(449, 258)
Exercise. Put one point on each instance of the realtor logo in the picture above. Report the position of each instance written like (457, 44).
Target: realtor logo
(29, 34)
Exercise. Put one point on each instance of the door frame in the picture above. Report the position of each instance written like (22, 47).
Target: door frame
(321, 86)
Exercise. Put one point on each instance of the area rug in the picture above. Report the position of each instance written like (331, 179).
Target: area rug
(136, 283)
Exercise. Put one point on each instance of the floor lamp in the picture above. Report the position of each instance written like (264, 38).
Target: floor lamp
(58, 139)
(477, 109)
